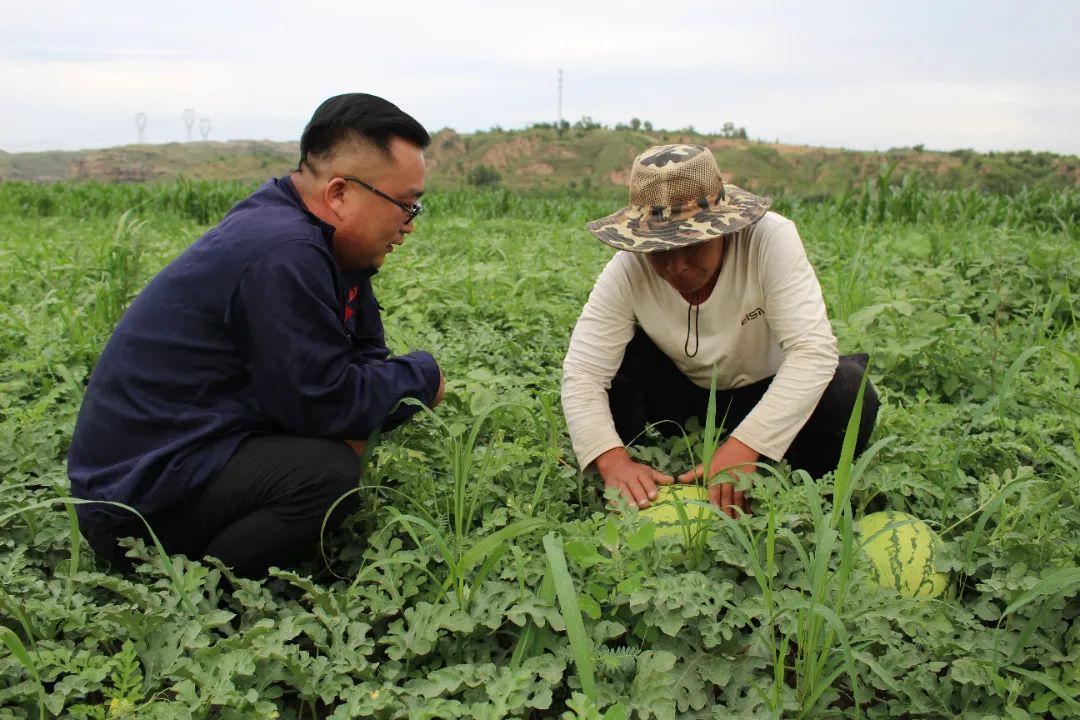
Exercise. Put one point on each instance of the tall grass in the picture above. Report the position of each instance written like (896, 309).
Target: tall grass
(469, 559)
(882, 200)
(819, 650)
(204, 201)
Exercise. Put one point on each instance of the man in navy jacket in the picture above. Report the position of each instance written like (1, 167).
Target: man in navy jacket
(231, 402)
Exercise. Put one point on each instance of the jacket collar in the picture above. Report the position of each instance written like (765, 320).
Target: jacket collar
(285, 184)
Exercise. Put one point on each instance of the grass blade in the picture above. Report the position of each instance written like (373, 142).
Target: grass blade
(1068, 695)
(580, 642)
(19, 652)
(1010, 378)
(848, 664)
(76, 546)
(487, 544)
(842, 479)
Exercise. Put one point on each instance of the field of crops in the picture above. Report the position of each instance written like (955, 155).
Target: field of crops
(484, 577)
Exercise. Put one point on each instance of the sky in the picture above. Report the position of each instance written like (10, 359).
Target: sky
(946, 74)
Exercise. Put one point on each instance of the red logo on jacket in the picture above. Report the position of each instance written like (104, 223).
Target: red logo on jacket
(349, 312)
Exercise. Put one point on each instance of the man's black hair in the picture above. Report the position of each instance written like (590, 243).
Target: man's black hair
(358, 115)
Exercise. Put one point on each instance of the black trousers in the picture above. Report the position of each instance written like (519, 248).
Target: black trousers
(264, 508)
(649, 387)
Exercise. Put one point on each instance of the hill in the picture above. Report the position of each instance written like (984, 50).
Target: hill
(250, 160)
(545, 159)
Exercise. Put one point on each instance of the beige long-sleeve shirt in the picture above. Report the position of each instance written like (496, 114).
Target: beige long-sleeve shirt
(766, 316)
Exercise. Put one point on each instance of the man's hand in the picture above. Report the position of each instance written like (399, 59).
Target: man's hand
(732, 455)
(359, 445)
(636, 481)
(441, 391)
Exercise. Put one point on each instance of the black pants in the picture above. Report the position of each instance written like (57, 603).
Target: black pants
(649, 387)
(264, 508)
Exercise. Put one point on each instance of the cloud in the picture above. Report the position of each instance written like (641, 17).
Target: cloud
(988, 75)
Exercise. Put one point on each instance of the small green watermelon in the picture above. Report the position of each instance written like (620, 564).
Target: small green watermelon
(663, 511)
(902, 556)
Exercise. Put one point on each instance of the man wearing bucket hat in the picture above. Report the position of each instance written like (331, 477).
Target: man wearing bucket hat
(706, 277)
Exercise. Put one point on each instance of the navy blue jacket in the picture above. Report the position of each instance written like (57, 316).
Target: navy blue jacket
(252, 329)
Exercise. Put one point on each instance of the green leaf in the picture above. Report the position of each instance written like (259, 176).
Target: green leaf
(1066, 694)
(609, 534)
(489, 543)
(642, 537)
(583, 553)
(11, 640)
(1061, 582)
(651, 692)
(616, 712)
(969, 671)
(415, 635)
(589, 606)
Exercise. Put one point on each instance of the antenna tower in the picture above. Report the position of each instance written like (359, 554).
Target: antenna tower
(140, 125)
(204, 127)
(189, 120)
(560, 97)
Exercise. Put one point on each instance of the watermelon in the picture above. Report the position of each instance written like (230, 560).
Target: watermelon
(664, 515)
(902, 557)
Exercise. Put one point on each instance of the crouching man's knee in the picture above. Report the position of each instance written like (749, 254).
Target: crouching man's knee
(845, 389)
(818, 445)
(335, 484)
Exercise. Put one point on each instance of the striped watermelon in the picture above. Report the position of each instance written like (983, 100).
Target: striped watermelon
(902, 557)
(664, 515)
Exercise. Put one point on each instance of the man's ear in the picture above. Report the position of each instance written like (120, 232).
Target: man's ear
(334, 196)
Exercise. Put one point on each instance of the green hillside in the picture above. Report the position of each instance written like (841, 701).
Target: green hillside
(593, 159)
(600, 158)
(250, 160)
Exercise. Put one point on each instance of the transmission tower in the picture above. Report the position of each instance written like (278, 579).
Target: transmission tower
(189, 120)
(560, 98)
(140, 125)
(204, 127)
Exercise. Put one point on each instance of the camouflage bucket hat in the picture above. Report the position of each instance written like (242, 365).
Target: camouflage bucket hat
(677, 199)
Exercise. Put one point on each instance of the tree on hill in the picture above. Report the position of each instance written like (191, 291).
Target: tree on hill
(730, 131)
(482, 175)
(587, 123)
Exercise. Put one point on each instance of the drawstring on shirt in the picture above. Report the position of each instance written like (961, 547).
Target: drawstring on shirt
(695, 304)
(697, 318)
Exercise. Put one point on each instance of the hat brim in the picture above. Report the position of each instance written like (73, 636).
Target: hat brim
(645, 229)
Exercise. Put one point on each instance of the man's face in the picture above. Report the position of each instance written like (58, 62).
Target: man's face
(368, 226)
(688, 269)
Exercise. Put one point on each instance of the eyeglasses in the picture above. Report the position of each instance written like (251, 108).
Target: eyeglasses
(411, 211)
